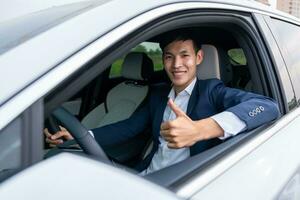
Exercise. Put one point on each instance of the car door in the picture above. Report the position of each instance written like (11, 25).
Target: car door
(267, 166)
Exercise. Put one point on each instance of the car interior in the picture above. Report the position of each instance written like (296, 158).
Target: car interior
(120, 87)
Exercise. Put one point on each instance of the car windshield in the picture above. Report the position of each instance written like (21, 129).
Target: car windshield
(20, 29)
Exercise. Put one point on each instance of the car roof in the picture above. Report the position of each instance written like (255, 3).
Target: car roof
(37, 42)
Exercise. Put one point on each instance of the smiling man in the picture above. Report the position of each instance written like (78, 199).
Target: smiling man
(189, 117)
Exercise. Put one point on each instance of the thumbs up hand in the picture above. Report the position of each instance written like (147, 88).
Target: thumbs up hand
(180, 132)
(184, 132)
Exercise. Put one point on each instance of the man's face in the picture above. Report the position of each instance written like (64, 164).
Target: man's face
(180, 61)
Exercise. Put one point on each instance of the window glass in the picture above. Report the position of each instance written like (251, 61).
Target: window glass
(18, 30)
(115, 70)
(237, 57)
(10, 148)
(287, 36)
(241, 75)
(150, 48)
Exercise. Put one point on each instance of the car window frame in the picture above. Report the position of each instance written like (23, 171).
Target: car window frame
(285, 52)
(283, 80)
(194, 17)
(29, 124)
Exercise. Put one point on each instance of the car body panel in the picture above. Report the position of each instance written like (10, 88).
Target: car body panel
(264, 166)
(52, 56)
(85, 179)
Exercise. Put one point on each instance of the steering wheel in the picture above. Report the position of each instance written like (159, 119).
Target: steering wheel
(80, 133)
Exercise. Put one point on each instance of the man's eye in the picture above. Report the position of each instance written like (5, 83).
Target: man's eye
(168, 57)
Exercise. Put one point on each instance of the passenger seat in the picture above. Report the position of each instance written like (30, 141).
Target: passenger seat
(211, 66)
(124, 98)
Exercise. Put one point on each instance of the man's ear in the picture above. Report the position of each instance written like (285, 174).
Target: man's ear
(199, 56)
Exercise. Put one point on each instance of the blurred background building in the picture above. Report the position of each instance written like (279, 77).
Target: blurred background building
(289, 6)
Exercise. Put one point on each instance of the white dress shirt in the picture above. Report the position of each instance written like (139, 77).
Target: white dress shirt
(165, 156)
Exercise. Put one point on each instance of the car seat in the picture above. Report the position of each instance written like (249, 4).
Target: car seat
(122, 100)
(212, 66)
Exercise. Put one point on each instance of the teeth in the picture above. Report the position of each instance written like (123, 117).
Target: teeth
(178, 72)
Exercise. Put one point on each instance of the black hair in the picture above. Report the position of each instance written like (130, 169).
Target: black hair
(178, 35)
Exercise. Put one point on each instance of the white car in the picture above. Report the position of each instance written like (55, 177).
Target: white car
(72, 56)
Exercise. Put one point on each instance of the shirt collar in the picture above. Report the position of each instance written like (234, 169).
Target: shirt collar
(188, 90)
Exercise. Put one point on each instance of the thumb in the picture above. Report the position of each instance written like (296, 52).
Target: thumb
(178, 112)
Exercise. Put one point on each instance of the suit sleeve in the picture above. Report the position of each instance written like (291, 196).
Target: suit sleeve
(253, 109)
(122, 131)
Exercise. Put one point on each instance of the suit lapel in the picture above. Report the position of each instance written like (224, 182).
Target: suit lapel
(193, 99)
(160, 108)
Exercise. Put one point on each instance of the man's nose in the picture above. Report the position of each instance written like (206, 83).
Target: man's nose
(177, 62)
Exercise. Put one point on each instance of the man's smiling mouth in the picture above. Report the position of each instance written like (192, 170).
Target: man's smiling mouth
(178, 73)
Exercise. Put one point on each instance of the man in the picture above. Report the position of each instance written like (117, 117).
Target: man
(189, 118)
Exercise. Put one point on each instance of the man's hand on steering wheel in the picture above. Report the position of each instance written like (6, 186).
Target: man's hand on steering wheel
(79, 132)
(58, 137)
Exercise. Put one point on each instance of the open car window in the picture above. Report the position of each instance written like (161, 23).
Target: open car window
(240, 68)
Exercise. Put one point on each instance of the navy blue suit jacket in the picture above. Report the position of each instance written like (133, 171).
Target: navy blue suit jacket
(208, 97)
